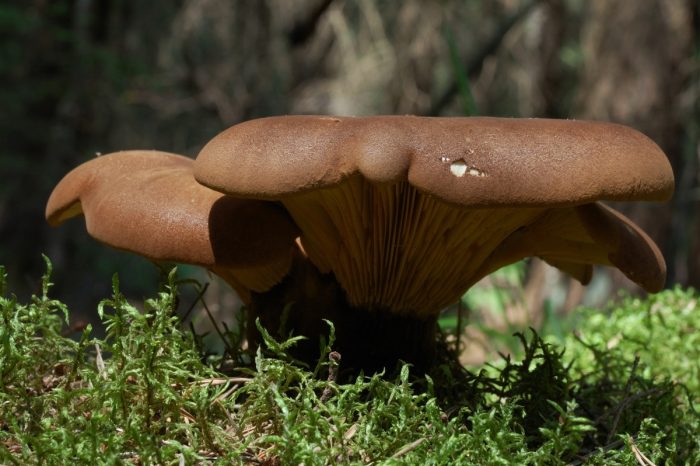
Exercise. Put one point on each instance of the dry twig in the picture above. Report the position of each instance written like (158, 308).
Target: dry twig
(334, 358)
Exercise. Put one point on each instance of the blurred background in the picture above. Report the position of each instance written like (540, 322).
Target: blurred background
(83, 77)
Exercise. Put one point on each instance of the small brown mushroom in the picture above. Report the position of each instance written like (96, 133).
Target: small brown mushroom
(148, 202)
(406, 213)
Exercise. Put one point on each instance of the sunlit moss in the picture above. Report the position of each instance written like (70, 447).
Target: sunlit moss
(145, 394)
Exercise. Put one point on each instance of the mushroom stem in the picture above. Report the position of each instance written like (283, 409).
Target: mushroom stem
(369, 340)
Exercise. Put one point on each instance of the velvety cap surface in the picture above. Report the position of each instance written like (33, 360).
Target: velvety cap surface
(475, 162)
(148, 202)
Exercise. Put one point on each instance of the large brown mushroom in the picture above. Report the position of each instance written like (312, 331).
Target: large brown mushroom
(399, 216)
(148, 202)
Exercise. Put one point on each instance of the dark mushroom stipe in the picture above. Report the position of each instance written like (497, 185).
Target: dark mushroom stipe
(369, 340)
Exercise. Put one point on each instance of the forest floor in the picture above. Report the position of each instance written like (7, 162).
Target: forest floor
(624, 388)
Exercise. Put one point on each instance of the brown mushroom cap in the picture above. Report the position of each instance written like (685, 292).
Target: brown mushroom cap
(473, 162)
(574, 238)
(148, 202)
(408, 212)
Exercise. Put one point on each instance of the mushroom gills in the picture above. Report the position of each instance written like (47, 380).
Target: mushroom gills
(393, 247)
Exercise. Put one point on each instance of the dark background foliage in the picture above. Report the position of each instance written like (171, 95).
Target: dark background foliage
(78, 77)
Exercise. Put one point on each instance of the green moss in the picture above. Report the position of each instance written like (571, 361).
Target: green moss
(626, 384)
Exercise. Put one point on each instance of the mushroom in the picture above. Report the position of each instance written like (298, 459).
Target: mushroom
(400, 215)
(148, 202)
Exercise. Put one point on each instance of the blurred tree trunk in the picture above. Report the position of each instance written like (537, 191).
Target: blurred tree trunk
(551, 82)
(634, 72)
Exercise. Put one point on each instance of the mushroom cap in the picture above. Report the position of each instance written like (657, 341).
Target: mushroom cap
(574, 238)
(409, 212)
(148, 202)
(471, 161)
